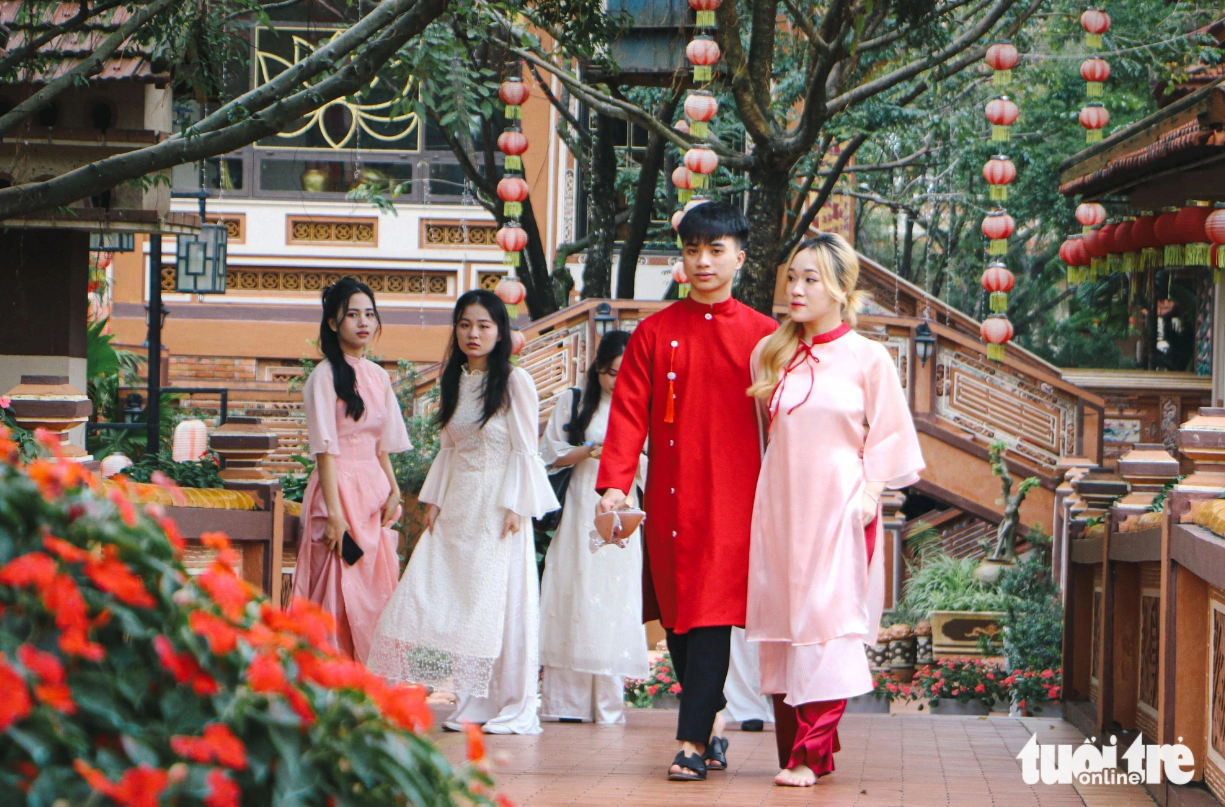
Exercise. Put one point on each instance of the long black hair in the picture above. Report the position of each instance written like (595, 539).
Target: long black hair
(497, 374)
(612, 345)
(335, 304)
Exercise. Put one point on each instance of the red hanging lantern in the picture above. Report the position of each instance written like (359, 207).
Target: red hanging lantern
(1094, 117)
(703, 52)
(700, 161)
(517, 341)
(513, 93)
(512, 191)
(705, 12)
(1090, 214)
(511, 292)
(676, 219)
(1002, 56)
(999, 172)
(512, 239)
(1095, 22)
(1125, 244)
(1105, 240)
(1073, 253)
(1145, 238)
(1191, 224)
(682, 178)
(1002, 113)
(512, 144)
(997, 226)
(1096, 251)
(996, 331)
(1094, 70)
(1214, 228)
(1166, 230)
(700, 106)
(998, 281)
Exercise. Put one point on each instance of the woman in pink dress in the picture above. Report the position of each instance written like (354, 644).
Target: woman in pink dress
(839, 433)
(354, 424)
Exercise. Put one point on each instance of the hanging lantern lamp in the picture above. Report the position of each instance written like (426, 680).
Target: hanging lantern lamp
(704, 53)
(513, 93)
(1145, 239)
(682, 281)
(512, 191)
(996, 331)
(1125, 244)
(701, 162)
(513, 144)
(705, 12)
(1002, 113)
(1094, 70)
(1090, 214)
(997, 227)
(1072, 252)
(511, 292)
(1095, 22)
(682, 178)
(999, 172)
(700, 106)
(1094, 118)
(1002, 56)
(512, 239)
(1191, 224)
(1214, 228)
(998, 281)
(1166, 230)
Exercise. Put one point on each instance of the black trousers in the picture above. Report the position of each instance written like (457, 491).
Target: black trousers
(701, 658)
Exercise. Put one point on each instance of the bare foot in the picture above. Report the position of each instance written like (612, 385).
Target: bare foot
(799, 776)
(689, 748)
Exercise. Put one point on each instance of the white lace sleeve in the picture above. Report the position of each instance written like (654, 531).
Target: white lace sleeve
(555, 443)
(435, 486)
(525, 488)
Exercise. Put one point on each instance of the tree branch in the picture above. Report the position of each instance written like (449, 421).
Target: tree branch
(18, 55)
(757, 120)
(827, 188)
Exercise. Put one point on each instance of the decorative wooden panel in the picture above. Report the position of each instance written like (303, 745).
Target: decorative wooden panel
(361, 232)
(899, 350)
(451, 234)
(994, 403)
(556, 361)
(1096, 634)
(1150, 644)
(235, 225)
(306, 280)
(169, 279)
(1216, 693)
(488, 280)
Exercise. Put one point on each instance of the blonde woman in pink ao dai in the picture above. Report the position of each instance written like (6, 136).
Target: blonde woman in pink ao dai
(816, 583)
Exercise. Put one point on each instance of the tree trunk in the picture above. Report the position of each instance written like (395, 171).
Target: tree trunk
(643, 204)
(767, 206)
(537, 281)
(907, 247)
(602, 204)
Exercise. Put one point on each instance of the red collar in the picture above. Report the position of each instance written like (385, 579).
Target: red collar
(829, 336)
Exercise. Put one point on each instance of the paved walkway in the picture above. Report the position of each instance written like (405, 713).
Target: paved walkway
(886, 761)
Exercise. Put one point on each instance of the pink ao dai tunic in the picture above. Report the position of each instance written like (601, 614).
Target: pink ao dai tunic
(357, 594)
(840, 420)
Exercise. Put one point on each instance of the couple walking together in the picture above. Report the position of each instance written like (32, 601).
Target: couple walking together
(795, 563)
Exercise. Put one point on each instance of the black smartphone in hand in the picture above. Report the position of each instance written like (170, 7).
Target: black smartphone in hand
(349, 550)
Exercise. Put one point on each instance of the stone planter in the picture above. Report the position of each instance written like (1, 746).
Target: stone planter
(955, 633)
(668, 701)
(923, 644)
(878, 654)
(902, 653)
(867, 704)
(989, 570)
(958, 709)
(1050, 709)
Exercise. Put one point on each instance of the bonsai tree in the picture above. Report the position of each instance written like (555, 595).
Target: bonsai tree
(1006, 535)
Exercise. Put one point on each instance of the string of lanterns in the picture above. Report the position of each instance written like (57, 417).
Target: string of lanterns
(512, 190)
(998, 225)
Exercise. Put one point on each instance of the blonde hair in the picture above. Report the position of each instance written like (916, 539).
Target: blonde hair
(838, 265)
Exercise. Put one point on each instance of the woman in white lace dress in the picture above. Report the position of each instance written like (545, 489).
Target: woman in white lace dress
(465, 616)
(591, 633)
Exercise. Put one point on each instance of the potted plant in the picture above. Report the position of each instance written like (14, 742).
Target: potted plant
(1005, 553)
(660, 689)
(960, 607)
(1032, 636)
(963, 686)
(885, 691)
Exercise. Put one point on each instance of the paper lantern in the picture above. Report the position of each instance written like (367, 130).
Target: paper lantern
(703, 52)
(1002, 56)
(1095, 22)
(1214, 228)
(700, 161)
(1073, 253)
(700, 106)
(1105, 240)
(997, 226)
(1166, 230)
(513, 93)
(676, 219)
(512, 191)
(1090, 214)
(705, 12)
(512, 239)
(1002, 113)
(1145, 238)
(678, 273)
(996, 331)
(998, 281)
(517, 341)
(682, 178)
(1094, 70)
(1093, 117)
(999, 172)
(190, 441)
(1125, 244)
(512, 144)
(511, 292)
(113, 464)
(681, 126)
(1190, 223)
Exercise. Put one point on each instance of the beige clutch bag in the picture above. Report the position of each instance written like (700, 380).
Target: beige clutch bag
(614, 527)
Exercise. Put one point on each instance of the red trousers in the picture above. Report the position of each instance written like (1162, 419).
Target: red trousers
(808, 734)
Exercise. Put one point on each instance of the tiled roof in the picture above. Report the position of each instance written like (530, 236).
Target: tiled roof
(134, 61)
(1187, 143)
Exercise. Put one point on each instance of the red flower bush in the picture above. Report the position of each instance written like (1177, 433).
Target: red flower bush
(138, 685)
(660, 682)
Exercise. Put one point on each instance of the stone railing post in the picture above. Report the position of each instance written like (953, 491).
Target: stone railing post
(1147, 467)
(1065, 497)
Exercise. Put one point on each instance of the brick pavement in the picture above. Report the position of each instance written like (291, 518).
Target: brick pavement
(886, 761)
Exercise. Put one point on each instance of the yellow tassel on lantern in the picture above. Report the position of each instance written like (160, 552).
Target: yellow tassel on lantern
(679, 243)
(1150, 258)
(1197, 255)
(999, 134)
(1115, 263)
(514, 162)
(999, 246)
(999, 302)
(1130, 261)
(510, 258)
(699, 128)
(698, 180)
(1097, 268)
(705, 19)
(999, 193)
(682, 291)
(1174, 255)
(1093, 89)
(1002, 78)
(512, 210)
(684, 194)
(995, 352)
(702, 72)
(512, 311)
(1093, 40)
(1093, 135)
(514, 112)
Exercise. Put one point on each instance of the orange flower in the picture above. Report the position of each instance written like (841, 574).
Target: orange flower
(184, 667)
(259, 636)
(227, 589)
(265, 674)
(34, 569)
(223, 791)
(16, 704)
(57, 696)
(404, 706)
(75, 642)
(139, 787)
(219, 744)
(127, 511)
(114, 577)
(222, 636)
(301, 706)
(476, 742)
(69, 553)
(331, 673)
(306, 619)
(47, 666)
(503, 800)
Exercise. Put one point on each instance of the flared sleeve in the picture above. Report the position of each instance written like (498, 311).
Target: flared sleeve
(525, 488)
(555, 443)
(435, 485)
(891, 452)
(319, 399)
(394, 438)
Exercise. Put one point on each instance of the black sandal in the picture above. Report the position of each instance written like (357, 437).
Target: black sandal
(693, 769)
(716, 754)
